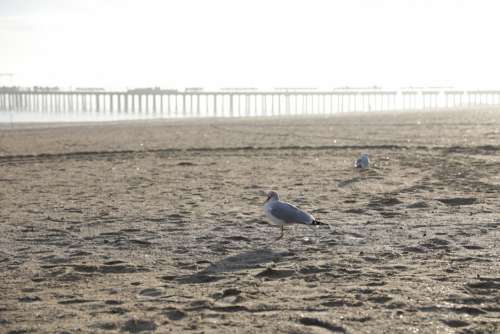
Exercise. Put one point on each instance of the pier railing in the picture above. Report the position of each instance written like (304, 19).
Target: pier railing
(173, 104)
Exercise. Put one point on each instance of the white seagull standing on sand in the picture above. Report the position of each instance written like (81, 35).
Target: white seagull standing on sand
(283, 213)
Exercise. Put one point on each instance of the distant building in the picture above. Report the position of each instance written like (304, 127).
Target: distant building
(89, 89)
(151, 90)
(46, 89)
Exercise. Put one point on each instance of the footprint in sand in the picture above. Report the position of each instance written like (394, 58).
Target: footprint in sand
(151, 292)
(29, 299)
(455, 323)
(272, 274)
(138, 325)
(457, 201)
(307, 321)
(174, 314)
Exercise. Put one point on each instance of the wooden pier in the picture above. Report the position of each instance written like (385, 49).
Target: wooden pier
(173, 104)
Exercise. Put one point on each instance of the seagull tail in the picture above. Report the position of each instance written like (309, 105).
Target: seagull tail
(317, 222)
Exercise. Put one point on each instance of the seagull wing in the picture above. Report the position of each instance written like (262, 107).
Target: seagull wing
(290, 214)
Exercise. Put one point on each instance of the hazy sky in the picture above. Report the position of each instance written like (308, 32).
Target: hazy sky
(254, 43)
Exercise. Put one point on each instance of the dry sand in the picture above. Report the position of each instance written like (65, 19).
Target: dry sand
(158, 226)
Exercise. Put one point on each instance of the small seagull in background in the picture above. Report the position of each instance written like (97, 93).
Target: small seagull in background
(283, 213)
(363, 162)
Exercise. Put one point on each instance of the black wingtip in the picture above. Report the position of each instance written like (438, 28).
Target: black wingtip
(317, 222)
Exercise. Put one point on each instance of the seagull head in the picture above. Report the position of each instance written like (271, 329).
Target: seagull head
(272, 196)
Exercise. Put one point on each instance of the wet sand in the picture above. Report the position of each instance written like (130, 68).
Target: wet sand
(157, 226)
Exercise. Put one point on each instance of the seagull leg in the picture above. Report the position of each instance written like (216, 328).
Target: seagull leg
(281, 236)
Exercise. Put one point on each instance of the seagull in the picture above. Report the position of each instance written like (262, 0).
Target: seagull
(362, 162)
(283, 213)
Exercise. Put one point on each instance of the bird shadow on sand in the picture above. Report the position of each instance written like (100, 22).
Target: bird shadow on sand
(242, 261)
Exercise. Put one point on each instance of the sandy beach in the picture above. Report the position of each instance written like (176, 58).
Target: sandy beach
(157, 226)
